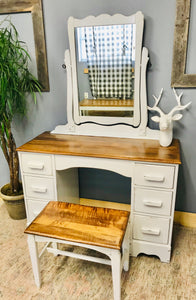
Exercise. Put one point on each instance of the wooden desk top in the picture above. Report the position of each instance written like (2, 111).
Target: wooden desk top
(104, 147)
(102, 227)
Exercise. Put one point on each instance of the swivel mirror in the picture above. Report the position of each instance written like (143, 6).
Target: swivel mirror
(106, 82)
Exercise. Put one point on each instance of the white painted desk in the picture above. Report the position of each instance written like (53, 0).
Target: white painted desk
(49, 172)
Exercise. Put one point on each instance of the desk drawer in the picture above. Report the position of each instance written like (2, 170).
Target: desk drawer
(152, 201)
(151, 229)
(40, 188)
(36, 163)
(154, 175)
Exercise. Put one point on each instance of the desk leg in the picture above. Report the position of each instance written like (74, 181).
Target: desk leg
(34, 259)
(67, 185)
(116, 273)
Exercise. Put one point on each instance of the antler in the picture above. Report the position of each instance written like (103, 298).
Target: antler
(155, 107)
(179, 106)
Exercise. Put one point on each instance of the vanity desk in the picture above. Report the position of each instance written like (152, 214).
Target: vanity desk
(49, 167)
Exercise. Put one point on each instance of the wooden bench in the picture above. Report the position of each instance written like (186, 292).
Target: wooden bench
(101, 229)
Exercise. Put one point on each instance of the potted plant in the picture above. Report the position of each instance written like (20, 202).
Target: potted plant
(16, 81)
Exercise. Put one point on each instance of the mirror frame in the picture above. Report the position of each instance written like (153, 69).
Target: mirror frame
(179, 77)
(35, 8)
(121, 130)
(104, 20)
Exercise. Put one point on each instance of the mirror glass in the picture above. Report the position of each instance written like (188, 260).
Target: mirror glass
(105, 57)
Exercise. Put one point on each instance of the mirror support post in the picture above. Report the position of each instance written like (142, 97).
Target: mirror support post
(143, 96)
(69, 128)
(70, 120)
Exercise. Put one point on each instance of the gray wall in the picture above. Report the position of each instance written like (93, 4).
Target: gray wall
(51, 107)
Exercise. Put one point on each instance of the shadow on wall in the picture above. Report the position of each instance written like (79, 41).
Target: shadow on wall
(104, 185)
(183, 191)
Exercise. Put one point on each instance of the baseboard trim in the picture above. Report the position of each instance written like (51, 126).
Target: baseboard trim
(105, 204)
(180, 217)
(185, 219)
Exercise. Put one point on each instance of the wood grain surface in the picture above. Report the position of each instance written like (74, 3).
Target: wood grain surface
(180, 78)
(107, 102)
(83, 224)
(104, 147)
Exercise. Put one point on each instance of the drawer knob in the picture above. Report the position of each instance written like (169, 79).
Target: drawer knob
(154, 178)
(151, 231)
(39, 189)
(153, 203)
(36, 166)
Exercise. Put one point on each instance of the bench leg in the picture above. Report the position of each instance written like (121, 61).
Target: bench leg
(55, 246)
(116, 273)
(34, 259)
(125, 251)
(126, 248)
(126, 259)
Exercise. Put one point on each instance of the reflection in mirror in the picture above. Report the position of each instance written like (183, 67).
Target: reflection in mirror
(105, 70)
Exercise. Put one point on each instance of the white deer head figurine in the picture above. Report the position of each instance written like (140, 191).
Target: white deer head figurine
(166, 120)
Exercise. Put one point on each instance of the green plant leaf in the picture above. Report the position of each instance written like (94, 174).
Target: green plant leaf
(16, 81)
